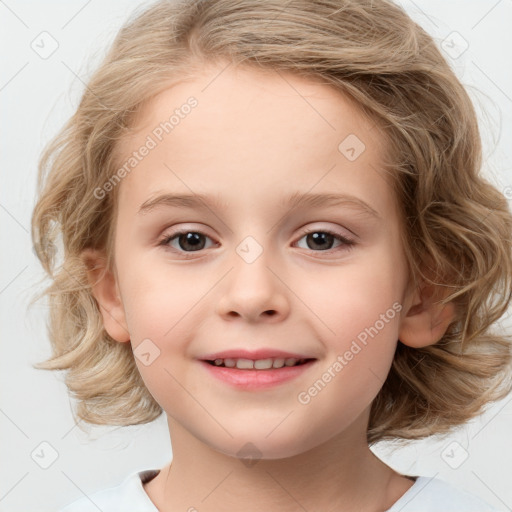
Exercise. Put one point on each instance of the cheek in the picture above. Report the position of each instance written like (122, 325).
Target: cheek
(355, 296)
(359, 326)
(359, 311)
(159, 308)
(157, 301)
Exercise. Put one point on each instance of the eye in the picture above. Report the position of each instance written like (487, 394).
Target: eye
(322, 240)
(187, 240)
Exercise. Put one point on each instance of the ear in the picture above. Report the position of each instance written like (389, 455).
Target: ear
(106, 292)
(426, 320)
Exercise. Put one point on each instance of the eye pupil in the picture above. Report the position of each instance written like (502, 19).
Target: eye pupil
(319, 237)
(193, 239)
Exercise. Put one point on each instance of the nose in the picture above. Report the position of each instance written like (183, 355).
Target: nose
(254, 291)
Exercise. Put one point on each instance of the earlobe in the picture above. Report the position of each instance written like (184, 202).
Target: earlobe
(105, 290)
(426, 320)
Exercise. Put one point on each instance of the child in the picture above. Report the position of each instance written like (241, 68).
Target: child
(258, 131)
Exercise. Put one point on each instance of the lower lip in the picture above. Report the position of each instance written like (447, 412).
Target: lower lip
(257, 379)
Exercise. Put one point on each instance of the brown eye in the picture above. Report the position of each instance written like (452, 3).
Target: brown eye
(186, 241)
(322, 240)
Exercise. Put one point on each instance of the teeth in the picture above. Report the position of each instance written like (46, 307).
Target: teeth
(259, 364)
(244, 364)
(278, 363)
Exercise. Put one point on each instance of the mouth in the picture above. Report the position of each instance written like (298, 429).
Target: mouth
(258, 364)
(257, 374)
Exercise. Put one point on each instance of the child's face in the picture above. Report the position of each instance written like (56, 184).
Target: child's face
(253, 140)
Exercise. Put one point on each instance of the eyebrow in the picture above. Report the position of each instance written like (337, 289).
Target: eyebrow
(295, 200)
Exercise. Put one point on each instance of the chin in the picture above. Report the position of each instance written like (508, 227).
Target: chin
(251, 448)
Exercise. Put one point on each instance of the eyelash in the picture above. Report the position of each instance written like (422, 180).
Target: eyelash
(347, 243)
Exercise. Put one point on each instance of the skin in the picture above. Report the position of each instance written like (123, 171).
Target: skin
(255, 137)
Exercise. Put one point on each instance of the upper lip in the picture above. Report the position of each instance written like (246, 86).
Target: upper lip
(264, 353)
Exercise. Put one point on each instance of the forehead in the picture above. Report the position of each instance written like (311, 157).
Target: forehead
(266, 100)
(251, 130)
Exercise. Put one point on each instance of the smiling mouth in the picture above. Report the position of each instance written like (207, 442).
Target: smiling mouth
(260, 364)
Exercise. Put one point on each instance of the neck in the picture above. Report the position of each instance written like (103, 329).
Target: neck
(341, 474)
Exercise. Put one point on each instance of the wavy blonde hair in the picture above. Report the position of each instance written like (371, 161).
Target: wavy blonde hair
(457, 226)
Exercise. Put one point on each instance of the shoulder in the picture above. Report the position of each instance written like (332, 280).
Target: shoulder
(128, 495)
(430, 494)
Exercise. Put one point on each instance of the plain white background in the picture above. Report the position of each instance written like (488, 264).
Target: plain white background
(37, 95)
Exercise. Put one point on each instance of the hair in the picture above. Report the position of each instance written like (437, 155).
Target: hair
(456, 225)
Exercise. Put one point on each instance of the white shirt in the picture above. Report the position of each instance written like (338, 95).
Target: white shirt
(427, 494)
